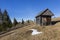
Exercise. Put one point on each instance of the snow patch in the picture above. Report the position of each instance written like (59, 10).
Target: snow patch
(35, 32)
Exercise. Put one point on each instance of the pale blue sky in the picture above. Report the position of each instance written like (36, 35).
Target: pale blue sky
(28, 9)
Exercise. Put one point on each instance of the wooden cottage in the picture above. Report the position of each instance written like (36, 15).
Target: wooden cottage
(44, 18)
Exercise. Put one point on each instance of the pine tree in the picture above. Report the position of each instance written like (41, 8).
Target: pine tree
(22, 21)
(1, 20)
(28, 21)
(1, 28)
(6, 20)
(1, 17)
(15, 22)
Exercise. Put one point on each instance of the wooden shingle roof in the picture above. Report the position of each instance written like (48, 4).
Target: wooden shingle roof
(46, 12)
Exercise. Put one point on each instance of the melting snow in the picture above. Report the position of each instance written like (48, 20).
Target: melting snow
(35, 32)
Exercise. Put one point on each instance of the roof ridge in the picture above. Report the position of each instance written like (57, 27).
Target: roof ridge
(40, 13)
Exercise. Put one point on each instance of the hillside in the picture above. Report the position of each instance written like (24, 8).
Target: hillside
(51, 32)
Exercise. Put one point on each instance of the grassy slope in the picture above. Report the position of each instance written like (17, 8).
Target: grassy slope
(49, 33)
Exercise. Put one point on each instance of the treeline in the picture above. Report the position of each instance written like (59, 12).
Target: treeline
(6, 23)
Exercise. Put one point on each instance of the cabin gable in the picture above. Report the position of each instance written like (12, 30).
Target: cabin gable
(48, 12)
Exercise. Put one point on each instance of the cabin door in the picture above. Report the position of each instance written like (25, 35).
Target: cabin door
(48, 20)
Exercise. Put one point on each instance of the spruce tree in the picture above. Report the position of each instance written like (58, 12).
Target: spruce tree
(22, 21)
(1, 20)
(15, 22)
(28, 21)
(6, 20)
(1, 17)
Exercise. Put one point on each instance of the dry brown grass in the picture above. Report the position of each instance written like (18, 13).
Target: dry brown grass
(56, 19)
(51, 32)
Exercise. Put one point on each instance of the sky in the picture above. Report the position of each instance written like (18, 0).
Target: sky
(28, 9)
